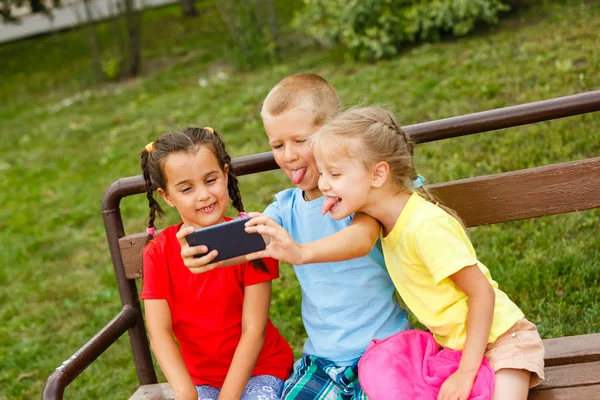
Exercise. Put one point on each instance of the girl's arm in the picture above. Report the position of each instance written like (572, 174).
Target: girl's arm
(479, 324)
(354, 241)
(166, 350)
(255, 313)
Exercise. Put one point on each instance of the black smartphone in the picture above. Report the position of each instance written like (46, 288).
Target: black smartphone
(229, 238)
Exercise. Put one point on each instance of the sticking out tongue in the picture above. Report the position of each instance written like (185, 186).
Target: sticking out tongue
(328, 204)
(298, 175)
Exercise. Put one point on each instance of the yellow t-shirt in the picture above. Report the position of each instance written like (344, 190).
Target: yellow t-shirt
(424, 248)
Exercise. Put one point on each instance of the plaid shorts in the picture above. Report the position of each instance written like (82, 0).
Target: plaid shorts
(315, 378)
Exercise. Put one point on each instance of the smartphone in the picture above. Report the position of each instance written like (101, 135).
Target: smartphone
(229, 238)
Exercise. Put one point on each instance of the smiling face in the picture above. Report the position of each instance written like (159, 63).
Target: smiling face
(345, 180)
(289, 136)
(196, 186)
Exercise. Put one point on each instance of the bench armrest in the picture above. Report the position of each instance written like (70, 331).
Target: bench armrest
(78, 362)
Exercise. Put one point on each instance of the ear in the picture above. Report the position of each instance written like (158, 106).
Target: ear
(381, 171)
(165, 196)
(226, 171)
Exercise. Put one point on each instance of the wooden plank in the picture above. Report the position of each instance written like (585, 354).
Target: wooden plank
(591, 392)
(529, 193)
(572, 349)
(157, 391)
(162, 391)
(131, 252)
(571, 375)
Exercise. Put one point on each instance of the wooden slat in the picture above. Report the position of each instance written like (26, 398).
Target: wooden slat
(131, 252)
(570, 375)
(158, 391)
(572, 349)
(529, 193)
(591, 392)
(577, 383)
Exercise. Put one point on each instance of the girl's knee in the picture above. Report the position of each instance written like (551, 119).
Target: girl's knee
(263, 387)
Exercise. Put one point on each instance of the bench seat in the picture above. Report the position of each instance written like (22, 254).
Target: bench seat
(572, 372)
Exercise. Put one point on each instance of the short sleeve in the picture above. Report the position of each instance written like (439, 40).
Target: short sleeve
(155, 279)
(443, 246)
(254, 275)
(272, 211)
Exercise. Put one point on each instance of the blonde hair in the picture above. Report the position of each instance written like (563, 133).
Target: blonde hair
(304, 91)
(380, 139)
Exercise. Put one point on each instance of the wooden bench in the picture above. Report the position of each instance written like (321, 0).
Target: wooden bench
(572, 363)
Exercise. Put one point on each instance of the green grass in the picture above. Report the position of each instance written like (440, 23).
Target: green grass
(66, 138)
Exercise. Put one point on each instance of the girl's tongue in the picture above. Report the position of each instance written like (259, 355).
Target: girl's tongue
(298, 175)
(328, 204)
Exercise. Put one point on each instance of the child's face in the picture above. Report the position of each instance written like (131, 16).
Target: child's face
(196, 187)
(289, 136)
(344, 181)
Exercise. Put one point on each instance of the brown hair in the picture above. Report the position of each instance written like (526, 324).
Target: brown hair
(189, 141)
(303, 91)
(382, 139)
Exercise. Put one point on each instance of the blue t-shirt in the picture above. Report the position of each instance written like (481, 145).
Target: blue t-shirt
(344, 304)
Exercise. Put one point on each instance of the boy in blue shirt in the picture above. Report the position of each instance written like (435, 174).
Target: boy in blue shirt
(344, 304)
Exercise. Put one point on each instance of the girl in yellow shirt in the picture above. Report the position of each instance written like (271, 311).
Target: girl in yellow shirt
(366, 167)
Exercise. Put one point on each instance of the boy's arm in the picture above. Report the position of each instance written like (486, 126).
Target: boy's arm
(354, 241)
(166, 350)
(255, 313)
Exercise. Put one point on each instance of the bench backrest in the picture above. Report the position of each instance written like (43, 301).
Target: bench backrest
(529, 193)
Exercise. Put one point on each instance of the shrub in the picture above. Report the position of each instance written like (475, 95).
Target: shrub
(375, 29)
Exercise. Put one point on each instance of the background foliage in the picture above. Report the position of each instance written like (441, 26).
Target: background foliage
(375, 29)
(66, 137)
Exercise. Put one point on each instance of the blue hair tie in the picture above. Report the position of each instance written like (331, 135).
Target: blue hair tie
(417, 183)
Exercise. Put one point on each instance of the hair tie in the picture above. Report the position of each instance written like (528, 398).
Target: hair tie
(150, 146)
(150, 231)
(417, 183)
(208, 128)
(243, 214)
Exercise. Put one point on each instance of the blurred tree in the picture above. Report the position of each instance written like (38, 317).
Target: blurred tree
(122, 58)
(125, 59)
(36, 6)
(253, 27)
(132, 61)
(188, 8)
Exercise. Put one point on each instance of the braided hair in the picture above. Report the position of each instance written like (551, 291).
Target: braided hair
(188, 140)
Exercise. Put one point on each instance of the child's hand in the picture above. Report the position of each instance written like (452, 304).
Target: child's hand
(457, 387)
(196, 265)
(280, 245)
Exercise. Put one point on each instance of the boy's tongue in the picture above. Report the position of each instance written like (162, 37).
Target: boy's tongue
(298, 175)
(327, 204)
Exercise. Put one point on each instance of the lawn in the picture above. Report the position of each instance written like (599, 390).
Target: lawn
(65, 138)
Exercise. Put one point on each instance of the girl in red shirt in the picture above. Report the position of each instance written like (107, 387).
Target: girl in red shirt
(210, 332)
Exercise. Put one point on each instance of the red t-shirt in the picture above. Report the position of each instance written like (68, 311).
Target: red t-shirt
(206, 311)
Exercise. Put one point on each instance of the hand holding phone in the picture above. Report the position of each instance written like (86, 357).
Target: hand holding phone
(229, 238)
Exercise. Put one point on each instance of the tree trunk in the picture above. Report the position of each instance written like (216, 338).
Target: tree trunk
(90, 28)
(37, 6)
(134, 49)
(188, 8)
